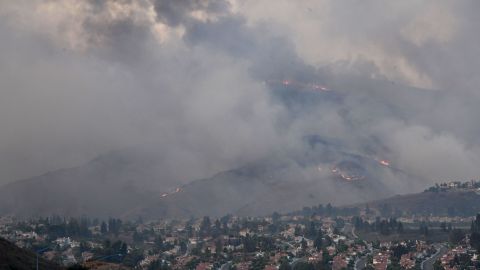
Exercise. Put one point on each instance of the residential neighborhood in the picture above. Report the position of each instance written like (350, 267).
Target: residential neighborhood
(314, 238)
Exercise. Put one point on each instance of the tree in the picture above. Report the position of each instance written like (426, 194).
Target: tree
(320, 210)
(258, 263)
(250, 243)
(367, 210)
(137, 237)
(475, 241)
(385, 210)
(437, 265)
(110, 248)
(133, 258)
(217, 228)
(475, 226)
(189, 230)
(114, 225)
(475, 233)
(423, 229)
(456, 236)
(326, 258)
(303, 266)
(317, 243)
(103, 227)
(159, 242)
(329, 210)
(443, 226)
(304, 244)
(297, 230)
(205, 226)
(399, 227)
(218, 246)
(311, 231)
(159, 265)
(183, 246)
(192, 264)
(284, 264)
(275, 217)
(77, 267)
(398, 251)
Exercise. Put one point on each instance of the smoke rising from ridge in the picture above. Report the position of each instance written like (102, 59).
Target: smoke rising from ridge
(187, 79)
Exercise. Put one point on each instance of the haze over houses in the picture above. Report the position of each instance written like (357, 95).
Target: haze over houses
(318, 237)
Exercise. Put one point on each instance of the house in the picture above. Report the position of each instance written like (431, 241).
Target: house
(204, 266)
(243, 266)
(380, 261)
(339, 262)
(407, 261)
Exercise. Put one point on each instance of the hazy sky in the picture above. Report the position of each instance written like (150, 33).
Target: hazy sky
(187, 77)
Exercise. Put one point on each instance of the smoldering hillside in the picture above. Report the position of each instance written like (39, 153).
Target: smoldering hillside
(140, 98)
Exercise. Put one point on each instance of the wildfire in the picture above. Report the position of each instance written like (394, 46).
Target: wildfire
(319, 87)
(346, 176)
(305, 86)
(177, 190)
(384, 162)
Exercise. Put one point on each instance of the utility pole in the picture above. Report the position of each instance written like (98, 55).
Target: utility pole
(38, 251)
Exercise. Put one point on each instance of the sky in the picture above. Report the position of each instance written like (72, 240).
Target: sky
(188, 79)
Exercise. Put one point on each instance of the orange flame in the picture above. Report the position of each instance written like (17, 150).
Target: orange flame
(384, 162)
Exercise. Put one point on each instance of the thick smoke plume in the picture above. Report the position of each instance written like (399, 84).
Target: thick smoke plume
(191, 81)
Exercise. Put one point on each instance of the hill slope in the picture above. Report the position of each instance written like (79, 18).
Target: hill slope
(13, 257)
(279, 185)
(131, 183)
(105, 186)
(461, 203)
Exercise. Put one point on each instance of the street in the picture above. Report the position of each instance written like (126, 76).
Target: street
(428, 263)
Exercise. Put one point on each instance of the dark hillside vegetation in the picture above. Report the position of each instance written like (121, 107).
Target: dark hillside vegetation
(448, 203)
(15, 258)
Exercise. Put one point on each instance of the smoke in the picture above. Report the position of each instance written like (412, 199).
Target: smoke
(189, 79)
(175, 13)
(110, 82)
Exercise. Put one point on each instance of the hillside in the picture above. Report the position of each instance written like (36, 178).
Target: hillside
(311, 168)
(262, 188)
(460, 203)
(15, 258)
(105, 186)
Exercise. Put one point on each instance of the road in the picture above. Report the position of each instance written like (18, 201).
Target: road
(428, 263)
(349, 230)
(360, 263)
(295, 261)
(226, 266)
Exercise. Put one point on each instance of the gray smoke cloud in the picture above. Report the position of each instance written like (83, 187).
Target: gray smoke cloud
(175, 13)
(189, 79)
(117, 86)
